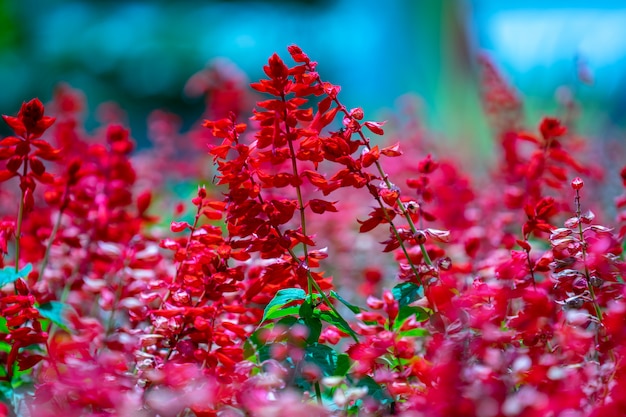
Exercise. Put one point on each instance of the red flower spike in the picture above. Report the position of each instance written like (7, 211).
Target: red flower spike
(577, 183)
(276, 68)
(357, 113)
(5, 174)
(200, 304)
(523, 244)
(37, 166)
(375, 127)
(143, 202)
(178, 227)
(551, 128)
(14, 163)
(528, 137)
(321, 120)
(370, 156)
(15, 124)
(438, 235)
(10, 141)
(119, 139)
(392, 151)
(389, 196)
(376, 217)
(321, 206)
(297, 54)
(427, 165)
(30, 120)
(331, 90)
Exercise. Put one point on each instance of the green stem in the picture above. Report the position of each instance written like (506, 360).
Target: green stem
(318, 392)
(530, 268)
(401, 205)
(55, 230)
(20, 219)
(187, 245)
(183, 327)
(116, 300)
(178, 269)
(584, 254)
(331, 306)
(592, 294)
(389, 185)
(18, 233)
(294, 167)
(310, 280)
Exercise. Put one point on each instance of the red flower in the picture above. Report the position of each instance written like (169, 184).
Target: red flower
(551, 128)
(30, 120)
(29, 124)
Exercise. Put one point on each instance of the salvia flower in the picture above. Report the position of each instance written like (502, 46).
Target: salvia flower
(30, 121)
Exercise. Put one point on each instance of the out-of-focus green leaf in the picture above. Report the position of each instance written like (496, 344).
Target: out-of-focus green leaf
(3, 325)
(419, 332)
(312, 322)
(343, 364)
(374, 390)
(8, 274)
(287, 311)
(408, 311)
(334, 319)
(322, 356)
(56, 312)
(352, 307)
(407, 292)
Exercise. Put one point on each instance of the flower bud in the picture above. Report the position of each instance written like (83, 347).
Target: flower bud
(577, 183)
(21, 287)
(596, 281)
(357, 113)
(420, 237)
(445, 263)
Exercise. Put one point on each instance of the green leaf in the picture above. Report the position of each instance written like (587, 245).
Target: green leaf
(374, 390)
(352, 307)
(287, 311)
(312, 322)
(6, 392)
(249, 351)
(8, 274)
(287, 321)
(264, 352)
(3, 325)
(334, 319)
(254, 349)
(253, 344)
(306, 310)
(56, 312)
(343, 364)
(407, 292)
(322, 356)
(407, 311)
(419, 332)
(355, 409)
(282, 298)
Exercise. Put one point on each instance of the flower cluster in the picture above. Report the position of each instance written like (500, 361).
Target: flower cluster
(335, 266)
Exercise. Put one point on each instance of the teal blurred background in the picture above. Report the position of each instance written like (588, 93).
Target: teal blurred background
(141, 53)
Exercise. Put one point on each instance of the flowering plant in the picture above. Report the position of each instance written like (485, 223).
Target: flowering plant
(272, 296)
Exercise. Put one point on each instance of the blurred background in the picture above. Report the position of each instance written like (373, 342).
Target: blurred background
(141, 53)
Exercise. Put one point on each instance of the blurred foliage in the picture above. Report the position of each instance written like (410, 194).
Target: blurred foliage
(140, 54)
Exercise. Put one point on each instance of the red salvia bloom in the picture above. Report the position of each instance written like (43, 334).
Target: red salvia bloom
(239, 314)
(30, 121)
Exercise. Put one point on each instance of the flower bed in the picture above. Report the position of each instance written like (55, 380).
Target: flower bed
(317, 270)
